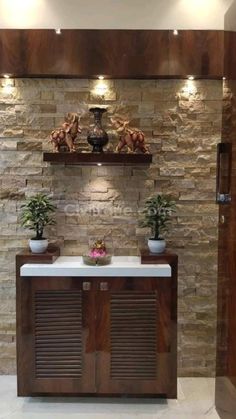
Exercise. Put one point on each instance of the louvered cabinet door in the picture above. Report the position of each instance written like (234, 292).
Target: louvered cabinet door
(60, 337)
(136, 337)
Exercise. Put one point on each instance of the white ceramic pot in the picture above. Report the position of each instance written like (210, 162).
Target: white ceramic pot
(156, 246)
(38, 246)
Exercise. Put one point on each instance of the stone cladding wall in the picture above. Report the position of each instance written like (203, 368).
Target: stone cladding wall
(182, 123)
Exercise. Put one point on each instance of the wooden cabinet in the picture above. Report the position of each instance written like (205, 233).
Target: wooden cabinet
(133, 336)
(57, 337)
(96, 336)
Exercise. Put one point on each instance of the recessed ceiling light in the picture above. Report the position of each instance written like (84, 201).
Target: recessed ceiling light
(223, 78)
(175, 32)
(101, 77)
(191, 77)
(58, 31)
(6, 76)
(99, 164)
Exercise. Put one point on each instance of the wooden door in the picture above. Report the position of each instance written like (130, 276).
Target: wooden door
(225, 394)
(57, 336)
(136, 336)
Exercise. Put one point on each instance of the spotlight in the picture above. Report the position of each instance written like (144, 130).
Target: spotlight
(101, 77)
(175, 32)
(191, 77)
(7, 81)
(58, 31)
(99, 164)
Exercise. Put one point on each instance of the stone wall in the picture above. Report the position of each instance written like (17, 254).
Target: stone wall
(182, 123)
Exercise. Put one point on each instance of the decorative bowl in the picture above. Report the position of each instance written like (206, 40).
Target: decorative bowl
(99, 261)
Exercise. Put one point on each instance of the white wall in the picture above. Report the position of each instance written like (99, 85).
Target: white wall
(113, 14)
(230, 18)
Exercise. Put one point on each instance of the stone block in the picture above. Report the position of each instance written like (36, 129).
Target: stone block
(78, 84)
(172, 171)
(129, 95)
(76, 96)
(12, 194)
(47, 95)
(8, 144)
(101, 96)
(29, 146)
(13, 132)
(47, 108)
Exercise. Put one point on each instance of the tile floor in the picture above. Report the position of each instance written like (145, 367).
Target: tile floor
(195, 401)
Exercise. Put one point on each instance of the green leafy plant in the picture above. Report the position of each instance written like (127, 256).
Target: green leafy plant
(37, 214)
(157, 215)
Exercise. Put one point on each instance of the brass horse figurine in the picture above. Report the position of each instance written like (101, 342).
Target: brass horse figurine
(67, 134)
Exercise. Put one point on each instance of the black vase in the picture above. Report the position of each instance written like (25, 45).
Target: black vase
(97, 137)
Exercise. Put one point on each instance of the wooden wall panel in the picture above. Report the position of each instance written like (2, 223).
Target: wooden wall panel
(226, 321)
(11, 52)
(226, 316)
(115, 53)
(230, 55)
(196, 52)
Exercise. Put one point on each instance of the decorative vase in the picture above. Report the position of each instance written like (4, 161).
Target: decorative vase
(156, 246)
(97, 137)
(38, 246)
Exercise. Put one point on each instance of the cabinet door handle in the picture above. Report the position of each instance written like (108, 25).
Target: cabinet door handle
(103, 286)
(86, 286)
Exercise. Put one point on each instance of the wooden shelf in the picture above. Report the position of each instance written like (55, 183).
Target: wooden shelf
(166, 257)
(122, 159)
(51, 254)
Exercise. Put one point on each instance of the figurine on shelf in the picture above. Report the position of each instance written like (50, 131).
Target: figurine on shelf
(64, 137)
(133, 138)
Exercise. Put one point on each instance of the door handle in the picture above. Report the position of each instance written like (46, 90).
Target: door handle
(223, 175)
(222, 220)
(86, 286)
(103, 286)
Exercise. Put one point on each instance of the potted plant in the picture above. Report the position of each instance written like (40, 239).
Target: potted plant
(157, 216)
(36, 215)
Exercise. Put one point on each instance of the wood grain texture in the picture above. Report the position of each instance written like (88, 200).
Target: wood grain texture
(133, 335)
(58, 334)
(224, 169)
(230, 42)
(170, 258)
(130, 291)
(23, 319)
(123, 159)
(32, 378)
(26, 256)
(115, 337)
(226, 310)
(196, 53)
(114, 53)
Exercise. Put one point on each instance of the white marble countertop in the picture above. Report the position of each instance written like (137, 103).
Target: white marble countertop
(74, 266)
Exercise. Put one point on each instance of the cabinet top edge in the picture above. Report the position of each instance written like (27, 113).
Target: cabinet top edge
(74, 266)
